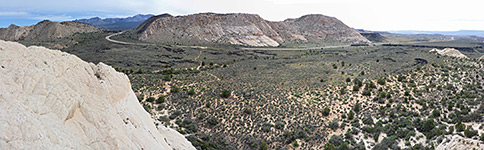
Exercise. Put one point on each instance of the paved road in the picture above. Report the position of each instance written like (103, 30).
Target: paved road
(129, 43)
(122, 42)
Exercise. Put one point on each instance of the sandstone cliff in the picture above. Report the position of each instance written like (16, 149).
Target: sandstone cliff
(45, 30)
(53, 100)
(246, 30)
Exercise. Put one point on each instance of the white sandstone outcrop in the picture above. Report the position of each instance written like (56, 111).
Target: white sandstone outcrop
(455, 142)
(449, 52)
(53, 100)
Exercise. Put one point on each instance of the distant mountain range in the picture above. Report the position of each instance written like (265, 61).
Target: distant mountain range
(479, 33)
(116, 23)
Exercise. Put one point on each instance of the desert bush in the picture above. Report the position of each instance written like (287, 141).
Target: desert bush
(387, 143)
(333, 125)
(279, 125)
(459, 127)
(356, 108)
(225, 94)
(150, 99)
(381, 81)
(351, 115)
(160, 99)
(263, 145)
(326, 111)
(213, 120)
(191, 92)
(469, 132)
(175, 89)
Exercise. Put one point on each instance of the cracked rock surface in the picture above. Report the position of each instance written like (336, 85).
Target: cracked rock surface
(54, 100)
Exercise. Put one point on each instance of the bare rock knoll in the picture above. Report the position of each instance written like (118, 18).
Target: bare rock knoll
(45, 30)
(449, 52)
(246, 30)
(53, 100)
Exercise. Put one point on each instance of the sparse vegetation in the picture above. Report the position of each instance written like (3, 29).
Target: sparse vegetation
(254, 99)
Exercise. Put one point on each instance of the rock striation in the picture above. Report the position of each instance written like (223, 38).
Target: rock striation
(246, 30)
(452, 52)
(45, 30)
(53, 100)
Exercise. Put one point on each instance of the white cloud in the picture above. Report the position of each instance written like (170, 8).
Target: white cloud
(52, 18)
(13, 13)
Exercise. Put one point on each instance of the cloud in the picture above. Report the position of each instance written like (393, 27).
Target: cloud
(51, 17)
(13, 13)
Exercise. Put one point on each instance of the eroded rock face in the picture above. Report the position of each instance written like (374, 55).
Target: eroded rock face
(449, 52)
(53, 100)
(45, 30)
(246, 30)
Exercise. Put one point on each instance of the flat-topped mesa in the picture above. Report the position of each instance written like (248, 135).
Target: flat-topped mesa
(45, 30)
(246, 30)
(54, 100)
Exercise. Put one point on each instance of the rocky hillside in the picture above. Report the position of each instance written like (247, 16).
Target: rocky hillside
(449, 52)
(115, 23)
(246, 30)
(54, 100)
(45, 30)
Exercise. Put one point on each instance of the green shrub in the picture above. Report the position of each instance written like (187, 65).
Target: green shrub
(435, 113)
(225, 94)
(333, 125)
(470, 133)
(175, 89)
(356, 88)
(451, 130)
(263, 145)
(356, 108)
(279, 125)
(160, 99)
(326, 111)
(459, 127)
(191, 92)
(139, 71)
(381, 81)
(213, 120)
(150, 99)
(336, 140)
(329, 146)
(400, 78)
(351, 115)
(387, 143)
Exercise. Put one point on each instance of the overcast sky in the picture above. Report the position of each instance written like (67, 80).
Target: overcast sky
(379, 15)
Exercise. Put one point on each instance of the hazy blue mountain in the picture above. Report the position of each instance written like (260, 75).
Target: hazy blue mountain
(116, 23)
(455, 33)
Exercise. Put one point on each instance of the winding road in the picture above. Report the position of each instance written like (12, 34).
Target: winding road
(122, 42)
